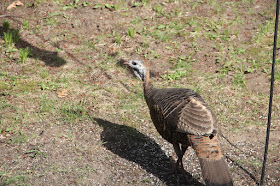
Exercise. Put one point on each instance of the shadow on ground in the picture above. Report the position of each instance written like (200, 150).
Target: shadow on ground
(134, 146)
(50, 58)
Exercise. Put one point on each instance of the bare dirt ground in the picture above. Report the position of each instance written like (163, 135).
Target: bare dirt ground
(73, 114)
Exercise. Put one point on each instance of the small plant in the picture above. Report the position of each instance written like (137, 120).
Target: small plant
(141, 3)
(23, 54)
(85, 4)
(175, 75)
(277, 76)
(11, 36)
(131, 32)
(111, 6)
(25, 25)
(6, 26)
(118, 39)
(158, 9)
(71, 5)
(239, 79)
(8, 38)
(16, 36)
(36, 152)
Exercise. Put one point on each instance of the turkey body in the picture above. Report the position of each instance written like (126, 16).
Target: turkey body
(176, 112)
(183, 118)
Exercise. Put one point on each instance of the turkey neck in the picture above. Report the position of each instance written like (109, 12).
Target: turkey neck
(147, 83)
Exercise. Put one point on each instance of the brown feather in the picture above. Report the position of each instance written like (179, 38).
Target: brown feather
(213, 164)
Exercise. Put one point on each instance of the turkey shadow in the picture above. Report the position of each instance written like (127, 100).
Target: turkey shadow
(134, 146)
(50, 58)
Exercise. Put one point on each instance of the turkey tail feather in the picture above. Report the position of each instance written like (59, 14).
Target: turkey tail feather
(213, 165)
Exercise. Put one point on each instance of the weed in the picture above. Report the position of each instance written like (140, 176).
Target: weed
(131, 32)
(106, 5)
(74, 4)
(239, 79)
(8, 38)
(118, 39)
(20, 138)
(138, 50)
(172, 76)
(4, 85)
(98, 5)
(85, 4)
(44, 74)
(277, 76)
(158, 9)
(16, 36)
(140, 3)
(51, 21)
(145, 44)
(26, 86)
(36, 152)
(25, 24)
(6, 25)
(46, 105)
(24, 53)
(111, 6)
(74, 112)
(9, 180)
(49, 86)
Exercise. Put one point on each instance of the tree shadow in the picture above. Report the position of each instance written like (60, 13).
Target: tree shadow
(50, 58)
(134, 146)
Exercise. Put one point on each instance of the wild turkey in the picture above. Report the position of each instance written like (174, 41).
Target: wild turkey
(183, 118)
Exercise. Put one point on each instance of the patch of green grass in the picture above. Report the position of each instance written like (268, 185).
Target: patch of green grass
(141, 3)
(4, 85)
(118, 39)
(4, 105)
(25, 85)
(7, 179)
(172, 76)
(131, 32)
(112, 6)
(25, 25)
(47, 105)
(44, 74)
(265, 30)
(158, 9)
(19, 138)
(277, 75)
(106, 5)
(6, 25)
(181, 69)
(239, 80)
(51, 21)
(36, 152)
(24, 53)
(73, 4)
(8, 38)
(74, 112)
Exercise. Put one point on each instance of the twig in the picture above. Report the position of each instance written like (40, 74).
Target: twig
(9, 16)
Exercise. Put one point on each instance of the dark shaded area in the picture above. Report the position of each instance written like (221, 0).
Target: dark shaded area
(134, 146)
(50, 58)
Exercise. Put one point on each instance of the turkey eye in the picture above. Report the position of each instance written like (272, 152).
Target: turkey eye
(133, 63)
